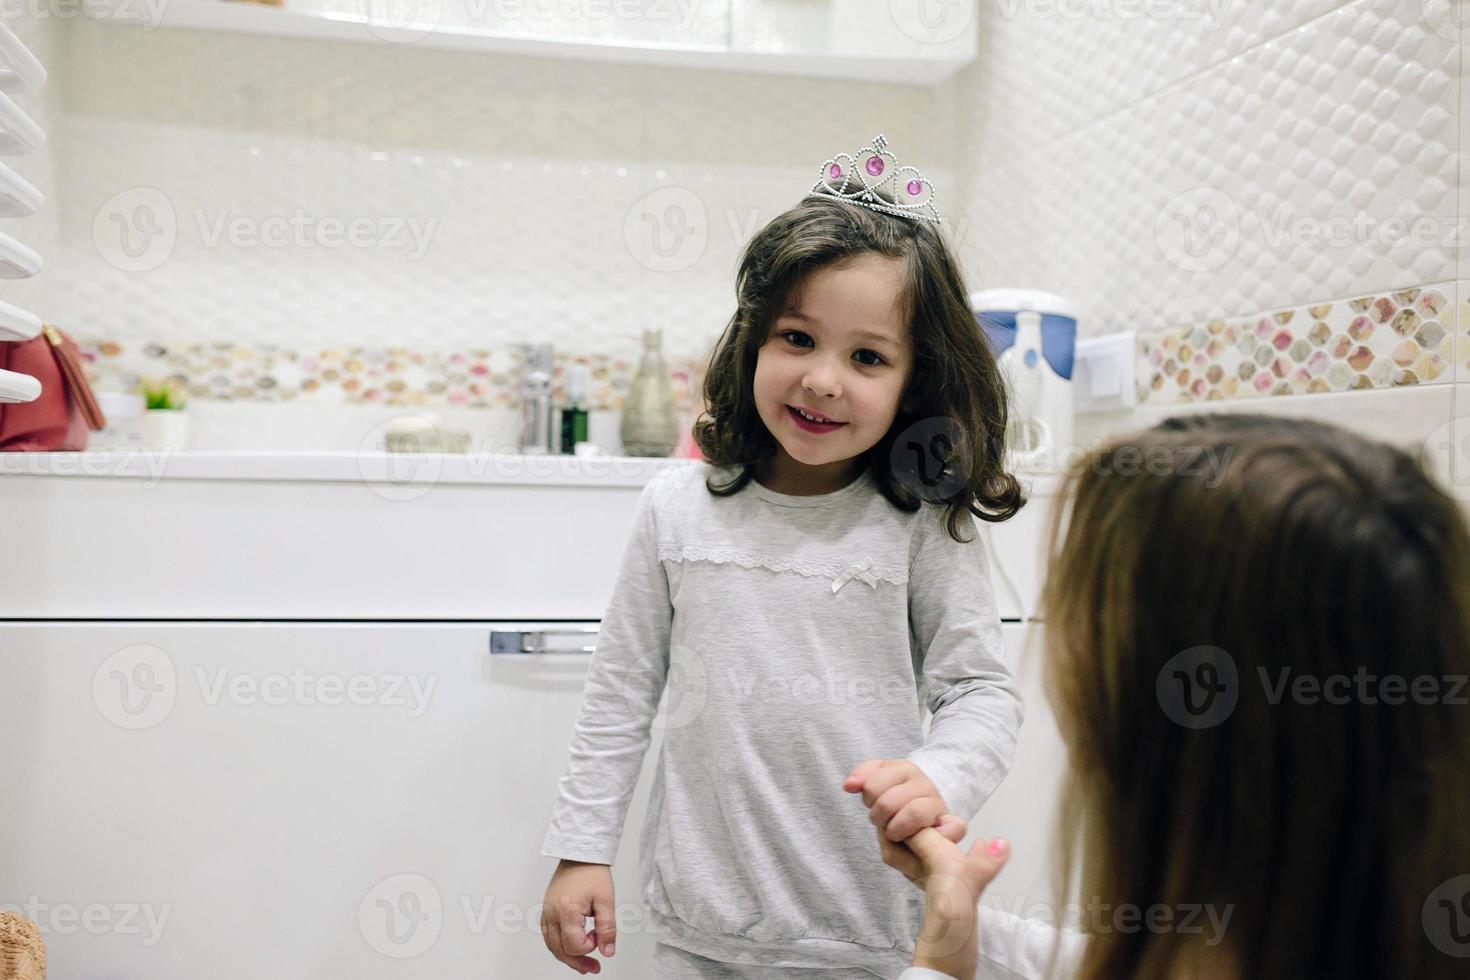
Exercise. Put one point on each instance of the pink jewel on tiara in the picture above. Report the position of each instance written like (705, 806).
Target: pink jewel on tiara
(842, 177)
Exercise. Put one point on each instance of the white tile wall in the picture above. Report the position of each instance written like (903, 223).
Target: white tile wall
(1086, 141)
(528, 179)
(534, 185)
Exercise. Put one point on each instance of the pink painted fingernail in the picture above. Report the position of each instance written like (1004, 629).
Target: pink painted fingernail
(997, 847)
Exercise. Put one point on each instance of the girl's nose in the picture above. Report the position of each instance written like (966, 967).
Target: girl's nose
(822, 381)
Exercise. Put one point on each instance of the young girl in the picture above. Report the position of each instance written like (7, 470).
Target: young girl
(1317, 586)
(802, 596)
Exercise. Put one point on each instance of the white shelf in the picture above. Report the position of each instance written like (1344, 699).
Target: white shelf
(18, 388)
(19, 69)
(17, 324)
(17, 259)
(229, 16)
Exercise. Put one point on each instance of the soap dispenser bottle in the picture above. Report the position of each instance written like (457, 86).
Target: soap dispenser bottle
(650, 427)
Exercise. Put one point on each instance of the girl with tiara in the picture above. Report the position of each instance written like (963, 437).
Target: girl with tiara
(797, 599)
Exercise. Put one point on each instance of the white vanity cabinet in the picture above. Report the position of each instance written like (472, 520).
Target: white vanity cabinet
(288, 800)
(254, 727)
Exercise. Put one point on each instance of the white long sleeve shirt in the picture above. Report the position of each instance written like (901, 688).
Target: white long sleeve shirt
(1012, 948)
(791, 637)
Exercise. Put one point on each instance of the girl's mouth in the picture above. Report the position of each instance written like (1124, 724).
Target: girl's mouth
(808, 425)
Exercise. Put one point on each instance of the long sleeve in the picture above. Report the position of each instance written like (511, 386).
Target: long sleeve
(1012, 948)
(624, 683)
(966, 685)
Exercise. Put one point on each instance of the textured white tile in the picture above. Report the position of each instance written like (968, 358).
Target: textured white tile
(1432, 423)
(1184, 206)
(532, 173)
(1462, 35)
(1447, 452)
(1049, 67)
(1405, 417)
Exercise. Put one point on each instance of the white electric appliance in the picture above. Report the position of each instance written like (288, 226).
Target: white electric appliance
(1034, 336)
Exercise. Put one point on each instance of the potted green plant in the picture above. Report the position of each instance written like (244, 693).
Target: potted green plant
(165, 424)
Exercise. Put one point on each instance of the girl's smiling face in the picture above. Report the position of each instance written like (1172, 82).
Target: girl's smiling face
(840, 351)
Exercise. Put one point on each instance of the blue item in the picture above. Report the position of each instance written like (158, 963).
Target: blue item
(1058, 338)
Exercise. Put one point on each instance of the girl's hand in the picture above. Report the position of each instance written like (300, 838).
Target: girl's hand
(901, 799)
(949, 939)
(903, 858)
(578, 890)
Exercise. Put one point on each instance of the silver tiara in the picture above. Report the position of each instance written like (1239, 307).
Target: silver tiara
(858, 178)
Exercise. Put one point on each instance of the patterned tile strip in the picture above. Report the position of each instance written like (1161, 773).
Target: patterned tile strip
(393, 376)
(1405, 337)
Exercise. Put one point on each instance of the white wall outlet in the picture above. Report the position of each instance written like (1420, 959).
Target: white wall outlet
(1104, 374)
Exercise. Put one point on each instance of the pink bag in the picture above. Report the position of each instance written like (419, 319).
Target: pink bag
(65, 412)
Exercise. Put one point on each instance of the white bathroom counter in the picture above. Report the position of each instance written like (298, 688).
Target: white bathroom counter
(488, 468)
(133, 534)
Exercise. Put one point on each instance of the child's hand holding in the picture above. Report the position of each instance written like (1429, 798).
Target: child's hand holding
(901, 799)
(578, 890)
(952, 881)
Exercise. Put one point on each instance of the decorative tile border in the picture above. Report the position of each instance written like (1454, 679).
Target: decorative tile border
(393, 376)
(1405, 337)
(1464, 317)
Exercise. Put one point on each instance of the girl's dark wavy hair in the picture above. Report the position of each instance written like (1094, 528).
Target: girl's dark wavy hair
(954, 407)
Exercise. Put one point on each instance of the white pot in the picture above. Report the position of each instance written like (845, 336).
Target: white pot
(166, 428)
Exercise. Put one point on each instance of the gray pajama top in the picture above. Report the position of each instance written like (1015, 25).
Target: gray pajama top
(788, 638)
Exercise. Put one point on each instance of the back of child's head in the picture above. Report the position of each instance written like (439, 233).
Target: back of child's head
(954, 406)
(1229, 598)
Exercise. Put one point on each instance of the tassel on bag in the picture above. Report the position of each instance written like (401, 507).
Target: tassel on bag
(22, 952)
(66, 409)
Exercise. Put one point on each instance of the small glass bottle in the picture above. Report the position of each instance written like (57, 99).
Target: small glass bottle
(650, 426)
(574, 413)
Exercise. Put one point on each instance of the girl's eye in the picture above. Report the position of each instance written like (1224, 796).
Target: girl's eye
(790, 334)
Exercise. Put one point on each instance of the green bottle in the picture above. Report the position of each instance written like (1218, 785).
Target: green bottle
(574, 413)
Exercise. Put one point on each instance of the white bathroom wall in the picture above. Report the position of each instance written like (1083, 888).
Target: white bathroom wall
(1168, 163)
(527, 190)
(1275, 196)
(1175, 168)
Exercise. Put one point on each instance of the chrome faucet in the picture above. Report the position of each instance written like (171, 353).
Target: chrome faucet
(536, 408)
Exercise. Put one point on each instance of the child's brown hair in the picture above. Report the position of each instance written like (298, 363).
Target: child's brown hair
(955, 383)
(1272, 550)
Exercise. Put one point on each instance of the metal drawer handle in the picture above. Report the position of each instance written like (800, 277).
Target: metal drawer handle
(531, 638)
